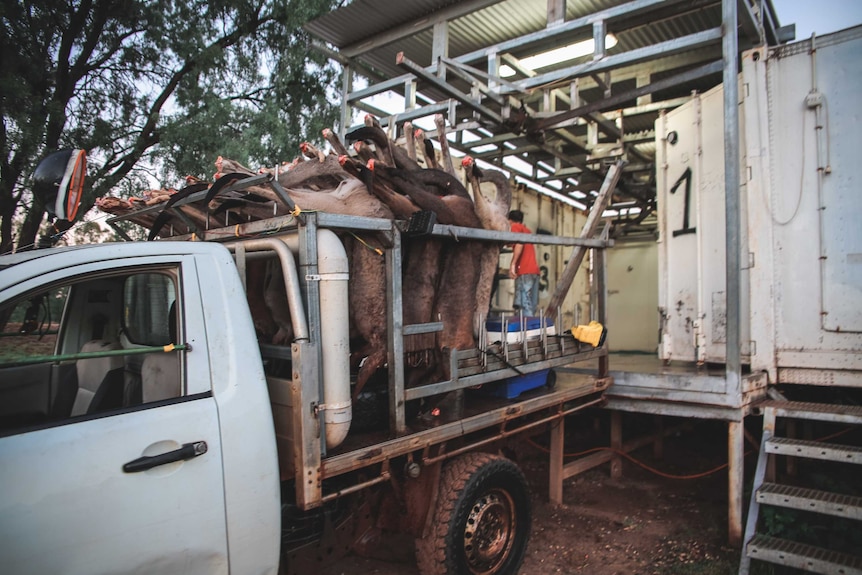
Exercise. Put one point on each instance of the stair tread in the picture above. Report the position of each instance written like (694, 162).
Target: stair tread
(814, 410)
(801, 555)
(790, 553)
(811, 499)
(815, 449)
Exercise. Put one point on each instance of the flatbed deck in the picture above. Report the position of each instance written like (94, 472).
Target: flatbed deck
(500, 417)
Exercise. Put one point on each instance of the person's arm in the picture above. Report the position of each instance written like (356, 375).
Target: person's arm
(516, 255)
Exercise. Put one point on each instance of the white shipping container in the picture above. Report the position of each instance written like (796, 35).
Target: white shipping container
(800, 202)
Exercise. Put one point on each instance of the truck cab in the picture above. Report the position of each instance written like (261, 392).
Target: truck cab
(135, 429)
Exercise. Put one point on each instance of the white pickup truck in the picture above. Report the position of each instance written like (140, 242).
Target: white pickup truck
(143, 429)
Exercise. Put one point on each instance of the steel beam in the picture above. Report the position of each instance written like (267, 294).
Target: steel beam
(417, 70)
(556, 12)
(677, 45)
(730, 49)
(560, 119)
(395, 343)
(749, 22)
(731, 196)
(466, 73)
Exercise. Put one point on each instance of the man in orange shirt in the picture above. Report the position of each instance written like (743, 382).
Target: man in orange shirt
(524, 269)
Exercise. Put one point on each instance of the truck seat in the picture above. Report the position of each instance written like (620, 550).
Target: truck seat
(160, 376)
(100, 380)
(160, 372)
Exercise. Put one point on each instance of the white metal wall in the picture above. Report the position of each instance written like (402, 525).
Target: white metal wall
(805, 206)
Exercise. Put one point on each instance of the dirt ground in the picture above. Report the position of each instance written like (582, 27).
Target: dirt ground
(642, 524)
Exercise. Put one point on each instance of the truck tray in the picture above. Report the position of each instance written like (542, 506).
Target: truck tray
(481, 414)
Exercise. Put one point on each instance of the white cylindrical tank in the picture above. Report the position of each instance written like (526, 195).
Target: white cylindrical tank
(333, 269)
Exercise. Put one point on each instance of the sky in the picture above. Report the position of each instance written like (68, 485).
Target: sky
(819, 16)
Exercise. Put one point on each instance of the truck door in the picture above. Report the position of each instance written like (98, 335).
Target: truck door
(110, 453)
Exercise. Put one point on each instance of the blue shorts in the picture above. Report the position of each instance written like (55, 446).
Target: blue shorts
(527, 293)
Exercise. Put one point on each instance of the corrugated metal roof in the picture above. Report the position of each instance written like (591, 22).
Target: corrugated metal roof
(500, 21)
(366, 18)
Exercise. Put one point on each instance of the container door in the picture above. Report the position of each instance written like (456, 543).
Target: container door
(678, 207)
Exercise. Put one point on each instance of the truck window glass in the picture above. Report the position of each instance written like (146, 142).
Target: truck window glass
(30, 329)
(95, 346)
(147, 301)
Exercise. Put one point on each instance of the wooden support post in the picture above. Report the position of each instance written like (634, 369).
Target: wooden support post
(735, 481)
(555, 479)
(616, 443)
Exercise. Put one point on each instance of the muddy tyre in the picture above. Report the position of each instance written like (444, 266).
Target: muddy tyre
(481, 523)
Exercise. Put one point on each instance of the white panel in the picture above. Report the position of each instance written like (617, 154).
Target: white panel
(807, 279)
(633, 297)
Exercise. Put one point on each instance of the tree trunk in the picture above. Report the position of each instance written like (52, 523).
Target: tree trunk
(8, 203)
(27, 239)
(6, 212)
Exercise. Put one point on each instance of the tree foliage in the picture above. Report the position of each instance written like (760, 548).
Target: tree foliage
(152, 88)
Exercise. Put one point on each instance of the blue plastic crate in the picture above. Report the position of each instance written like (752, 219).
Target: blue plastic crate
(515, 386)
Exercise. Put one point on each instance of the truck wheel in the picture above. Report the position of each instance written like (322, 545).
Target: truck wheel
(481, 523)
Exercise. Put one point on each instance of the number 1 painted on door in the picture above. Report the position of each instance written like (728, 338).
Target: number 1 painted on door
(685, 177)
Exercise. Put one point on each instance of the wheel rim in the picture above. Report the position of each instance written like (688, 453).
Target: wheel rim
(489, 534)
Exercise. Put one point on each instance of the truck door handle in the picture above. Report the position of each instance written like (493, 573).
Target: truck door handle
(187, 451)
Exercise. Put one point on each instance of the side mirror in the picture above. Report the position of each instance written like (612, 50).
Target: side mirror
(59, 182)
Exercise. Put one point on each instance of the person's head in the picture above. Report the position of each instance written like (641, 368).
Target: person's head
(516, 216)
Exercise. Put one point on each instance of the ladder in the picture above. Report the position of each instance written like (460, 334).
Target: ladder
(766, 491)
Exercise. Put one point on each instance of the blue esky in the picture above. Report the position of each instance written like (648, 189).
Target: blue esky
(819, 16)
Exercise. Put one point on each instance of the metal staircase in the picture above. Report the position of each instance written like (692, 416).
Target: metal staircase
(766, 491)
